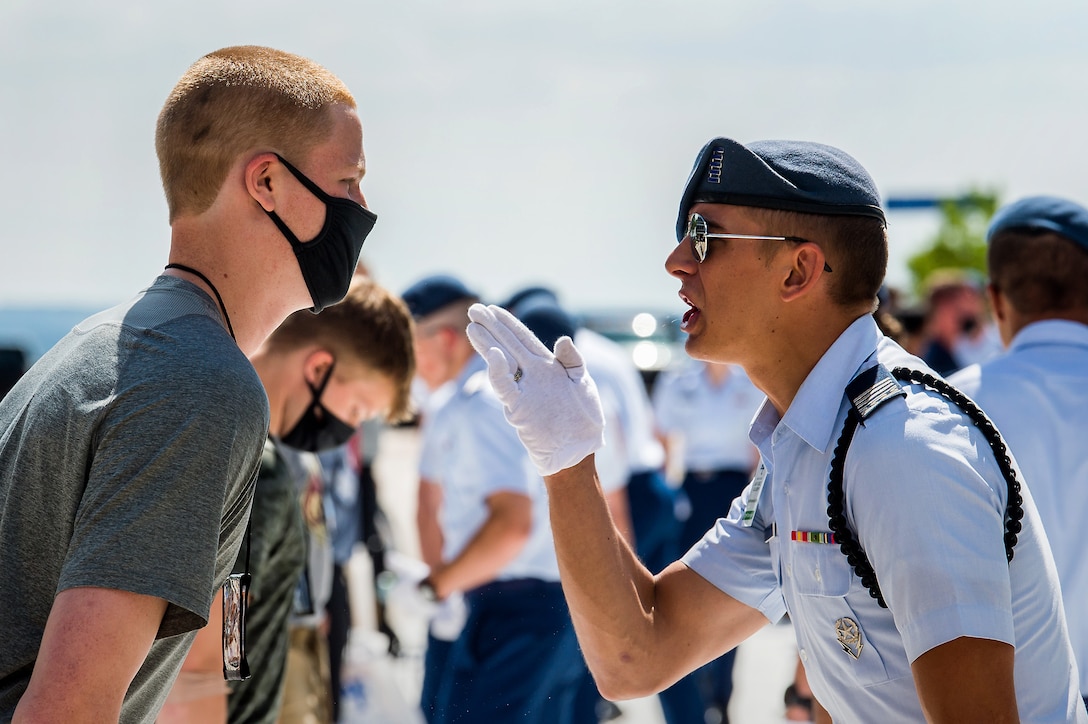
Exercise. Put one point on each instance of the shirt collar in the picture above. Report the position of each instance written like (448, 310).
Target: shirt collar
(475, 364)
(1051, 331)
(814, 411)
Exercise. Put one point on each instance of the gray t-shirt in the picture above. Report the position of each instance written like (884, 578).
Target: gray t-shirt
(127, 460)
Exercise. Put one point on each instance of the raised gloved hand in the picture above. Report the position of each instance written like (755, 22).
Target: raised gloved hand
(549, 397)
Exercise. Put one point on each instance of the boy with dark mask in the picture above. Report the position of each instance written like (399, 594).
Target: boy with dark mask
(128, 452)
(325, 374)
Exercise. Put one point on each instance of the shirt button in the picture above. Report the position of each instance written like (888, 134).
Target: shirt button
(816, 572)
(789, 570)
(804, 656)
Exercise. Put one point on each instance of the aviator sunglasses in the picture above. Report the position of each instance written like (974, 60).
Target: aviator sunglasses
(697, 233)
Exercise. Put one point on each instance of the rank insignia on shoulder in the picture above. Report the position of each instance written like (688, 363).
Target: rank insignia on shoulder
(871, 388)
(849, 637)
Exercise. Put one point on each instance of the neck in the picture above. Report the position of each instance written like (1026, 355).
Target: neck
(270, 368)
(717, 372)
(196, 275)
(1019, 321)
(255, 288)
(782, 366)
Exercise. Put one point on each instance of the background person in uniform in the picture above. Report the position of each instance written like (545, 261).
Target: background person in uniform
(324, 374)
(702, 411)
(1037, 393)
(128, 452)
(486, 508)
(630, 469)
(782, 250)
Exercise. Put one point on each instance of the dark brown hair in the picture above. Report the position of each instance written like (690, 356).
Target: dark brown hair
(1039, 271)
(370, 328)
(856, 247)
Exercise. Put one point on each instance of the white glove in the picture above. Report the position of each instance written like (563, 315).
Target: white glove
(549, 398)
(449, 619)
(403, 592)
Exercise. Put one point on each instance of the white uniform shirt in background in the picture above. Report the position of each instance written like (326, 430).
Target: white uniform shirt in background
(1037, 395)
(612, 368)
(470, 449)
(711, 419)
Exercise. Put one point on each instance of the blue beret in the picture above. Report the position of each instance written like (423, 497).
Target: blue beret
(529, 295)
(430, 294)
(787, 175)
(548, 322)
(1048, 213)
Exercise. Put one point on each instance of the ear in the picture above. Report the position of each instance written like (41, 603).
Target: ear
(997, 301)
(805, 270)
(261, 179)
(1003, 313)
(316, 365)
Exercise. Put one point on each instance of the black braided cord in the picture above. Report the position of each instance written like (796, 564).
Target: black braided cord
(849, 545)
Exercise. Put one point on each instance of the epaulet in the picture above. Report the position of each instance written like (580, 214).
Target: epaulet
(871, 388)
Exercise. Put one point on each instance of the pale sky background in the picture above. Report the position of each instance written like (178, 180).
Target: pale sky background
(512, 143)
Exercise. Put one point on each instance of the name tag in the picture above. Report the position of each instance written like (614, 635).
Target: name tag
(753, 496)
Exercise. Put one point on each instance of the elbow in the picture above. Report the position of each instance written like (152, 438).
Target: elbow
(620, 690)
(626, 688)
(627, 679)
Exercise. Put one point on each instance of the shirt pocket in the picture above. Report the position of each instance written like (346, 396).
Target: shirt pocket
(817, 569)
(836, 606)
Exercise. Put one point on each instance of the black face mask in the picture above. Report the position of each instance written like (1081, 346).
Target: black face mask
(318, 429)
(328, 261)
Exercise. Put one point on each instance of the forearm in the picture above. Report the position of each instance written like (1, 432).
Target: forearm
(430, 532)
(492, 548)
(610, 593)
(190, 699)
(620, 509)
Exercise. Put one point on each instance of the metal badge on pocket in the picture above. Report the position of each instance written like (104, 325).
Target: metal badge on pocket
(235, 602)
(849, 636)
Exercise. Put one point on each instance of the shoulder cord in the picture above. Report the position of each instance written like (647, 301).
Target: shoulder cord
(848, 544)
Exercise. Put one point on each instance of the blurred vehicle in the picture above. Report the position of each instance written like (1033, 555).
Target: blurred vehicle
(652, 338)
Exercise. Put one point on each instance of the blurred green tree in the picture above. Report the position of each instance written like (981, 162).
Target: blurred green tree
(960, 242)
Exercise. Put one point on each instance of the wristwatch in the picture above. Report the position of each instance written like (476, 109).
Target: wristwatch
(426, 590)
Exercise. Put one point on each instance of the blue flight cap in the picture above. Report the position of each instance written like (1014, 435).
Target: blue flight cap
(430, 294)
(1048, 213)
(548, 322)
(788, 175)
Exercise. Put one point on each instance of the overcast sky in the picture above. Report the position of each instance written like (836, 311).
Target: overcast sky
(512, 143)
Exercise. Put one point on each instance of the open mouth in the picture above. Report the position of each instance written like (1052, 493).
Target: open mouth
(690, 316)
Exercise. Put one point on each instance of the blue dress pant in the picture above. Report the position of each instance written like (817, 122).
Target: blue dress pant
(434, 666)
(514, 660)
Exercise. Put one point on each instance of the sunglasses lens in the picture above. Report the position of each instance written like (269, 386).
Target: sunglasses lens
(697, 234)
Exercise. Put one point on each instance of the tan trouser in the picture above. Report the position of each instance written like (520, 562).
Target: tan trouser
(307, 696)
